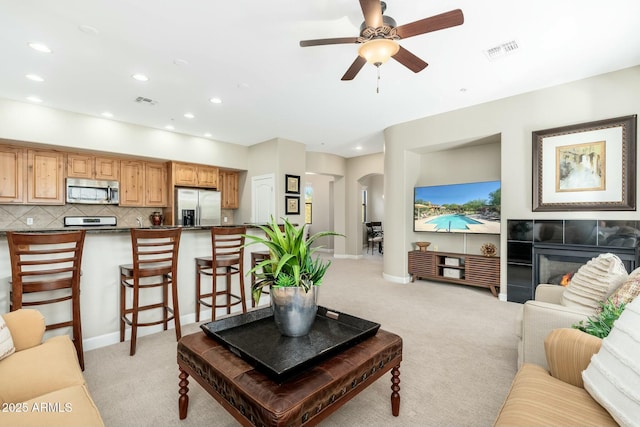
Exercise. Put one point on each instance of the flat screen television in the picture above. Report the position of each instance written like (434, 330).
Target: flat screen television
(472, 207)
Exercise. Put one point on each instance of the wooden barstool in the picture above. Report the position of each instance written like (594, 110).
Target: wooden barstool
(227, 260)
(155, 264)
(256, 258)
(48, 262)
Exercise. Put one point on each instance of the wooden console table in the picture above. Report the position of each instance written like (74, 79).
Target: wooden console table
(464, 269)
(254, 399)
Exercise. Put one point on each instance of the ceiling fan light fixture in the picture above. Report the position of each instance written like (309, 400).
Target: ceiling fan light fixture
(378, 51)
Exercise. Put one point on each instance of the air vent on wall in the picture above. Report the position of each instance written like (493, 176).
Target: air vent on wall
(145, 101)
(499, 51)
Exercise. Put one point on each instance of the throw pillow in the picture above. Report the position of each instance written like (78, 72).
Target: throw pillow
(628, 291)
(595, 281)
(6, 342)
(613, 375)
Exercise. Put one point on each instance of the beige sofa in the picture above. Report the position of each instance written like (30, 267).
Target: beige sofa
(41, 384)
(557, 397)
(561, 307)
(590, 381)
(541, 316)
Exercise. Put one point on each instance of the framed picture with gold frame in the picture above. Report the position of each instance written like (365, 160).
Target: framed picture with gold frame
(586, 167)
(292, 205)
(292, 184)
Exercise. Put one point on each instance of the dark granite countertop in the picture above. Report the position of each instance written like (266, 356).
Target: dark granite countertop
(116, 229)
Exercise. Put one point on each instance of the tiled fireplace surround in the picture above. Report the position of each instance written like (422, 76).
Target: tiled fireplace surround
(14, 217)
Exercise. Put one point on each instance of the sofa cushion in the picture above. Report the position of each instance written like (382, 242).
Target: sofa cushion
(50, 366)
(538, 399)
(628, 290)
(595, 281)
(613, 375)
(70, 406)
(27, 327)
(6, 342)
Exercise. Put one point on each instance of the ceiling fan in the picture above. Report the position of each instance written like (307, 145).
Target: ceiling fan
(379, 35)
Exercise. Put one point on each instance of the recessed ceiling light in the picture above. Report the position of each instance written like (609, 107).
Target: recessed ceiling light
(34, 77)
(107, 114)
(208, 135)
(88, 29)
(189, 115)
(215, 100)
(40, 47)
(359, 147)
(180, 62)
(34, 99)
(140, 77)
(169, 127)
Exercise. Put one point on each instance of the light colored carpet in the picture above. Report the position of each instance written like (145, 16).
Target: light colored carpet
(459, 358)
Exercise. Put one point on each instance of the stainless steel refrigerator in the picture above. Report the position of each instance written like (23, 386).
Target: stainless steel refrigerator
(197, 207)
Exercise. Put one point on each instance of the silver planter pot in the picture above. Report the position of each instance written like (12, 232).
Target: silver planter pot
(294, 310)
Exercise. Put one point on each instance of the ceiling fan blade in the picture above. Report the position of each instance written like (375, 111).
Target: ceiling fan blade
(409, 60)
(354, 69)
(320, 42)
(372, 11)
(433, 23)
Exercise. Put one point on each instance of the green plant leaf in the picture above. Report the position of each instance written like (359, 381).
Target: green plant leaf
(600, 325)
(291, 261)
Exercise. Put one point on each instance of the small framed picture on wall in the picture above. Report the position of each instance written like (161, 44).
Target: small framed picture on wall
(292, 184)
(292, 205)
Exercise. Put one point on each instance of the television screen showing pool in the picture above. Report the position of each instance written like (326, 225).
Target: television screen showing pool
(458, 208)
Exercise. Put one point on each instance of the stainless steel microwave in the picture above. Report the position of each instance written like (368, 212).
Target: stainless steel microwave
(93, 192)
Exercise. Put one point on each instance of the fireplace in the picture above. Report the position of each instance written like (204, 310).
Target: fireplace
(545, 250)
(552, 263)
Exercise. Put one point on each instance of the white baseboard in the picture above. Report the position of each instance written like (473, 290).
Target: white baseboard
(396, 279)
(114, 337)
(345, 256)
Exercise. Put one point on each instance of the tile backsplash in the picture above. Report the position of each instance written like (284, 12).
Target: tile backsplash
(15, 217)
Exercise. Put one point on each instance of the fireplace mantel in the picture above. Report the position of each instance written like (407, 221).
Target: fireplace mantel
(532, 244)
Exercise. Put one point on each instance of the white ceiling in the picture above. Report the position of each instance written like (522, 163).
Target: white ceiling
(246, 52)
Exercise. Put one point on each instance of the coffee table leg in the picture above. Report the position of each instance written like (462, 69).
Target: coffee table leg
(395, 387)
(183, 400)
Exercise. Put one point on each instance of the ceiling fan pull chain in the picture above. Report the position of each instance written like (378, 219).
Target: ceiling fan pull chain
(378, 80)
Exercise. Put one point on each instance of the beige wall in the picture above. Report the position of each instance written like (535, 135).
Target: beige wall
(357, 168)
(515, 118)
(322, 207)
(37, 124)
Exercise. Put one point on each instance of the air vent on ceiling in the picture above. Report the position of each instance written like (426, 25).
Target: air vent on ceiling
(145, 101)
(501, 50)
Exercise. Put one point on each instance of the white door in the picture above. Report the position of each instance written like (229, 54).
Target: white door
(263, 204)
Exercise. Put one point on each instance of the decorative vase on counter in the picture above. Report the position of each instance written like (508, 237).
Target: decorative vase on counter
(156, 218)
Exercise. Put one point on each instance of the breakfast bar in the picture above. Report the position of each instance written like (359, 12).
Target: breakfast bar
(105, 248)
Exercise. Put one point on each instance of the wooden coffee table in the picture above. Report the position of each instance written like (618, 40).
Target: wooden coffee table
(306, 399)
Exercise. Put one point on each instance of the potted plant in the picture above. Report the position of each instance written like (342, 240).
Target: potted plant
(600, 325)
(291, 273)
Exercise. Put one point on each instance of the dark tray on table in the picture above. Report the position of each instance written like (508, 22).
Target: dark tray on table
(255, 338)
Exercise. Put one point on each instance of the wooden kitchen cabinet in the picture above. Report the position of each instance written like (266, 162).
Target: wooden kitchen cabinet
(92, 167)
(131, 183)
(45, 177)
(155, 181)
(229, 189)
(193, 175)
(143, 183)
(12, 161)
(207, 176)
